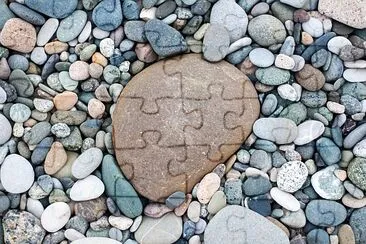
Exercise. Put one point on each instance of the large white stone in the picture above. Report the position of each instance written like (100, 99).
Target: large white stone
(55, 216)
(87, 162)
(279, 130)
(308, 131)
(17, 174)
(96, 240)
(327, 185)
(285, 199)
(88, 188)
(355, 75)
(336, 43)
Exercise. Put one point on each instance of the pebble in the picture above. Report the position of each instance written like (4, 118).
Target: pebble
(313, 99)
(25, 39)
(71, 26)
(279, 130)
(6, 13)
(156, 230)
(55, 216)
(310, 78)
(38, 132)
(65, 100)
(261, 57)
(308, 131)
(284, 62)
(355, 75)
(266, 30)
(328, 150)
(96, 240)
(231, 16)
(56, 158)
(272, 76)
(349, 201)
(122, 223)
(216, 49)
(96, 108)
(88, 188)
(314, 27)
(358, 224)
(79, 71)
(46, 32)
(87, 162)
(291, 176)
(325, 213)
(168, 41)
(6, 129)
(107, 15)
(285, 199)
(287, 92)
(16, 167)
(207, 187)
(327, 185)
(256, 185)
(355, 172)
(175, 199)
(346, 235)
(28, 227)
(27, 14)
(217, 202)
(217, 230)
(53, 8)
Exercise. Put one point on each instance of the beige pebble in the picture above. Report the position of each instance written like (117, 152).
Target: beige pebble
(99, 59)
(340, 174)
(194, 211)
(351, 202)
(18, 35)
(79, 70)
(335, 107)
(65, 101)
(346, 235)
(122, 222)
(156, 210)
(182, 209)
(55, 47)
(306, 38)
(95, 70)
(96, 108)
(230, 162)
(207, 187)
(56, 158)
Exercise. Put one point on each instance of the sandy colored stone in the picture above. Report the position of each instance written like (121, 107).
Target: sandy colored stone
(99, 59)
(178, 119)
(207, 187)
(96, 108)
(310, 78)
(346, 235)
(18, 35)
(65, 101)
(349, 12)
(56, 158)
(55, 47)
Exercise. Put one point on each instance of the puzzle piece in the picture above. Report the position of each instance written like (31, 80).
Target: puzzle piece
(149, 163)
(170, 120)
(213, 130)
(144, 86)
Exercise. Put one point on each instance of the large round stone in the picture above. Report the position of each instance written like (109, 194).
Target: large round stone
(179, 118)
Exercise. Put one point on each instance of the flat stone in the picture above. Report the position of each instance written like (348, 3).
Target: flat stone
(358, 224)
(231, 16)
(360, 149)
(291, 176)
(28, 227)
(164, 230)
(313, 99)
(308, 131)
(6, 129)
(119, 189)
(328, 150)
(295, 219)
(214, 48)
(171, 179)
(55, 216)
(47, 31)
(266, 30)
(22, 83)
(164, 39)
(285, 199)
(272, 76)
(356, 171)
(349, 201)
(314, 27)
(88, 188)
(355, 75)
(96, 240)
(71, 26)
(175, 199)
(122, 222)
(53, 8)
(349, 12)
(310, 78)
(346, 235)
(261, 57)
(87, 162)
(18, 35)
(107, 15)
(17, 174)
(27, 14)
(326, 183)
(37, 133)
(227, 226)
(135, 31)
(325, 213)
(19, 113)
(279, 130)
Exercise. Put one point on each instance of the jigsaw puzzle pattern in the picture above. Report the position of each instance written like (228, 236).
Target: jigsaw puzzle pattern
(178, 119)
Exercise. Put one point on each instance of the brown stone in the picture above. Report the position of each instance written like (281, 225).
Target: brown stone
(55, 47)
(56, 158)
(310, 78)
(179, 118)
(91, 210)
(18, 35)
(145, 53)
(65, 101)
(346, 235)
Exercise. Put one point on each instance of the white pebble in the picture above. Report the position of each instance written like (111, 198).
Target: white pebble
(55, 216)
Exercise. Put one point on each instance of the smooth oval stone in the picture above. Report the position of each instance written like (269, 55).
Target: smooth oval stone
(355, 75)
(356, 172)
(166, 229)
(308, 131)
(47, 31)
(291, 176)
(261, 57)
(285, 199)
(328, 150)
(95, 240)
(234, 224)
(55, 216)
(325, 213)
(272, 76)
(71, 26)
(266, 30)
(88, 188)
(327, 184)
(152, 159)
(119, 189)
(317, 236)
(6, 129)
(215, 49)
(53, 8)
(107, 15)
(233, 18)
(87, 162)
(16, 174)
(313, 99)
(164, 39)
(27, 14)
(355, 136)
(19, 113)
(278, 130)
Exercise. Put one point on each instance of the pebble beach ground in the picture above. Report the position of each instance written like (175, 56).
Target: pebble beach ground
(299, 177)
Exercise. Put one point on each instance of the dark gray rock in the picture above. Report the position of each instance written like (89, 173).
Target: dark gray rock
(135, 31)
(40, 152)
(256, 185)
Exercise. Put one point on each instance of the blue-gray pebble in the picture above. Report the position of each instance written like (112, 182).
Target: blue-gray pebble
(325, 213)
(27, 14)
(71, 26)
(53, 8)
(107, 15)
